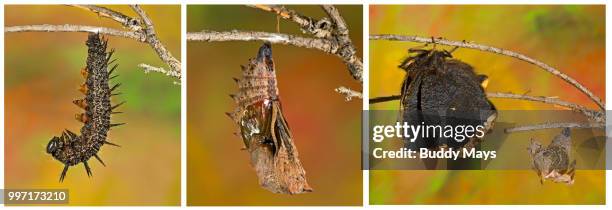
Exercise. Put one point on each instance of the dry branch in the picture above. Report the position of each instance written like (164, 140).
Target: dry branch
(348, 93)
(160, 49)
(75, 28)
(340, 25)
(385, 99)
(595, 116)
(329, 38)
(318, 28)
(276, 38)
(137, 32)
(347, 51)
(128, 22)
(148, 68)
(543, 126)
(500, 51)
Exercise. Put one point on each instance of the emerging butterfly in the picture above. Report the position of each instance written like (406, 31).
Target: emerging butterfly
(70, 148)
(439, 90)
(263, 127)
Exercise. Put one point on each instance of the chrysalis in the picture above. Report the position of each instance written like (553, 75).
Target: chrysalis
(553, 161)
(70, 148)
(263, 127)
(440, 90)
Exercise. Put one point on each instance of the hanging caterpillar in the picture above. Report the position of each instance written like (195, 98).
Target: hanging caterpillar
(70, 148)
(264, 130)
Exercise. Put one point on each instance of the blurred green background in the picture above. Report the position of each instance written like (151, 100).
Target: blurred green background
(41, 80)
(571, 38)
(325, 127)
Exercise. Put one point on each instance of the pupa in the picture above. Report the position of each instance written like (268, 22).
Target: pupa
(263, 128)
(553, 161)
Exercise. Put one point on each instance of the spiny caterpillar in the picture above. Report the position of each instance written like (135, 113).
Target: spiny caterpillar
(70, 148)
(263, 127)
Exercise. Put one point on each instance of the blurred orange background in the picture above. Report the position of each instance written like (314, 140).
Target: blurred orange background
(41, 80)
(570, 38)
(326, 129)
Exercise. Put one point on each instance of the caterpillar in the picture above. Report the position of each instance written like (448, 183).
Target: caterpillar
(264, 129)
(70, 148)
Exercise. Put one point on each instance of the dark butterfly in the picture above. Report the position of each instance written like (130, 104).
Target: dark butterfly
(441, 90)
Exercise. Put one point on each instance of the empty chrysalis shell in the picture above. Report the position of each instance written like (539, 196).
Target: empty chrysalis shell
(553, 161)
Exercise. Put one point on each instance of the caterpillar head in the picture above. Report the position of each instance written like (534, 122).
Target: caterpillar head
(60, 143)
(54, 144)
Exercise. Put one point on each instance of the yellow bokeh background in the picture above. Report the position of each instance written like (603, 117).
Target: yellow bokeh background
(570, 38)
(41, 79)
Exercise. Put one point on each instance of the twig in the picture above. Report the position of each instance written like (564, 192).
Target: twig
(137, 33)
(148, 68)
(330, 38)
(323, 29)
(385, 99)
(216, 36)
(596, 116)
(338, 21)
(154, 42)
(128, 22)
(543, 126)
(500, 51)
(285, 13)
(348, 93)
(318, 28)
(75, 28)
(347, 51)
